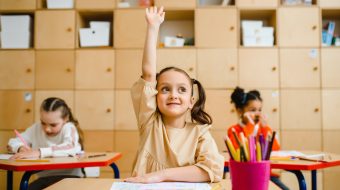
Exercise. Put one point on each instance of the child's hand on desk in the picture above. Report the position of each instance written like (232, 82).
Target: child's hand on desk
(26, 154)
(24, 149)
(153, 177)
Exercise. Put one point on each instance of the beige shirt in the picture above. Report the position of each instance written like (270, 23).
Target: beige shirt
(161, 147)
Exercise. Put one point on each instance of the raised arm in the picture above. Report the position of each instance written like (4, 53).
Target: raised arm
(154, 18)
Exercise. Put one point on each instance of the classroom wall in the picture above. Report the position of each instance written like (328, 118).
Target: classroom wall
(297, 76)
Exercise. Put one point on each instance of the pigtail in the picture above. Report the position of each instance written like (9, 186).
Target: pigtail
(197, 112)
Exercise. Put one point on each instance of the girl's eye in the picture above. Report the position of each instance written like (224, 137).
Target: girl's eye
(182, 89)
(53, 125)
(165, 89)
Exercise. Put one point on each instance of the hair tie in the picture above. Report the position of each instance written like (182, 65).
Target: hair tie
(194, 81)
(244, 98)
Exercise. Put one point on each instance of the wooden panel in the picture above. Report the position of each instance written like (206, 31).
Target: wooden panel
(257, 3)
(300, 68)
(331, 109)
(125, 117)
(218, 106)
(329, 4)
(126, 142)
(331, 178)
(129, 28)
(98, 4)
(17, 109)
(40, 96)
(94, 109)
(128, 67)
(17, 4)
(222, 30)
(55, 29)
(95, 64)
(217, 68)
(4, 138)
(19, 64)
(299, 27)
(97, 141)
(308, 116)
(330, 66)
(258, 68)
(271, 107)
(181, 58)
(218, 136)
(55, 69)
(301, 140)
(176, 4)
(331, 141)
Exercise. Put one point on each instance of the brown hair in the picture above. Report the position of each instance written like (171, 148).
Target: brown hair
(197, 112)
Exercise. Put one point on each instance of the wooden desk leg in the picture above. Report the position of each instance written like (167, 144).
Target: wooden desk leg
(25, 178)
(115, 170)
(314, 180)
(9, 180)
(301, 179)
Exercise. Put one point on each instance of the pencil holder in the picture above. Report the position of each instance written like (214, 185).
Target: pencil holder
(249, 175)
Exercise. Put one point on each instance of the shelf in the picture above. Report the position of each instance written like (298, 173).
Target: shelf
(215, 3)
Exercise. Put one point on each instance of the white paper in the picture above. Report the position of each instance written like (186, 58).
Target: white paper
(286, 153)
(5, 156)
(160, 186)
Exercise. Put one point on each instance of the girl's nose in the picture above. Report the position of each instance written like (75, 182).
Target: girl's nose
(48, 129)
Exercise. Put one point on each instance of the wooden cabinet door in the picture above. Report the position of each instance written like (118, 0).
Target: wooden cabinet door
(271, 107)
(181, 58)
(218, 106)
(330, 67)
(329, 3)
(129, 28)
(257, 3)
(300, 109)
(299, 27)
(97, 141)
(41, 95)
(98, 4)
(19, 64)
(55, 69)
(258, 67)
(94, 109)
(331, 109)
(217, 68)
(128, 67)
(16, 109)
(216, 27)
(17, 5)
(300, 68)
(55, 29)
(125, 118)
(95, 69)
(176, 4)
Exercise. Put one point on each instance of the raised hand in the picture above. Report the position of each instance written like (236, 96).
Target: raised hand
(154, 16)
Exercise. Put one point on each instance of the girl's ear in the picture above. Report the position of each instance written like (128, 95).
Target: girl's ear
(192, 102)
(240, 112)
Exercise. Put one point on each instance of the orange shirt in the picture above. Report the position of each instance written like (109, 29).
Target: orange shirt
(248, 130)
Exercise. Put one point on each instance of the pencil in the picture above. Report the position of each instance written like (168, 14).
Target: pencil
(230, 148)
(39, 160)
(242, 153)
(270, 146)
(96, 155)
(21, 138)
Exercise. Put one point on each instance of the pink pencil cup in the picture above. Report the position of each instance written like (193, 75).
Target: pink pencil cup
(249, 175)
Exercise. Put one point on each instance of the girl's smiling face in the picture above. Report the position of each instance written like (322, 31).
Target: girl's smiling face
(174, 96)
(253, 109)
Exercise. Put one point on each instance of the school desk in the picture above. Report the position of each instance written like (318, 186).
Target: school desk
(30, 167)
(296, 167)
(105, 184)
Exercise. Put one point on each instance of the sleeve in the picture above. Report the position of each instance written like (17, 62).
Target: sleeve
(69, 145)
(143, 96)
(27, 135)
(207, 156)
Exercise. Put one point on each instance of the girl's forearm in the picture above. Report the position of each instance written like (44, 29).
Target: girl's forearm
(186, 173)
(149, 55)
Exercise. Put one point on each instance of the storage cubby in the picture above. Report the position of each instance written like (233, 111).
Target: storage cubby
(94, 5)
(176, 4)
(261, 30)
(329, 3)
(17, 30)
(178, 25)
(134, 3)
(298, 2)
(330, 35)
(55, 4)
(257, 3)
(17, 5)
(205, 3)
(94, 35)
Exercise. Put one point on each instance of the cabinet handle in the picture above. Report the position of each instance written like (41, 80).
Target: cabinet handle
(28, 110)
(274, 69)
(316, 110)
(232, 68)
(108, 110)
(232, 28)
(68, 70)
(314, 27)
(28, 70)
(315, 68)
(108, 70)
(69, 29)
(274, 110)
(191, 69)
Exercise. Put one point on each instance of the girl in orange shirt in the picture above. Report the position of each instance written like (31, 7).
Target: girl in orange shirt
(252, 122)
